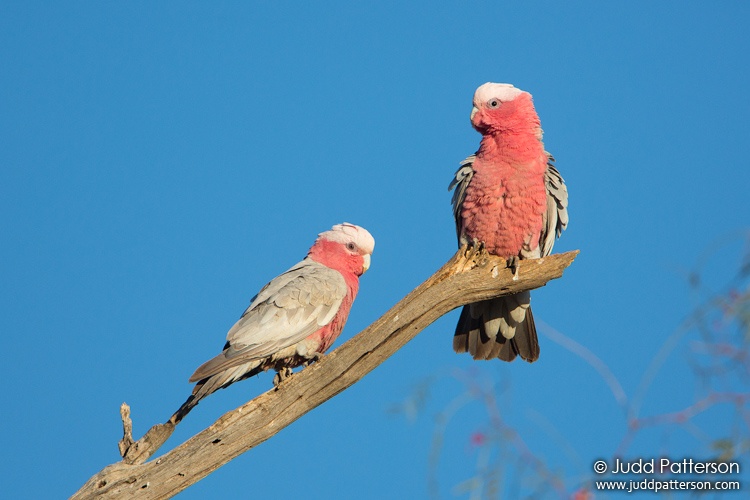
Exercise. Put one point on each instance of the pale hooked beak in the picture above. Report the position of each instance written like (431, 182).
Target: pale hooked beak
(473, 112)
(365, 263)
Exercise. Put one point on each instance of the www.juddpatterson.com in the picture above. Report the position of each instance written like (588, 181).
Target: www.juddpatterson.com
(665, 467)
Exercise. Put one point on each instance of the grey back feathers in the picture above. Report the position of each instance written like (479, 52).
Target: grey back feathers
(287, 310)
(556, 217)
(460, 182)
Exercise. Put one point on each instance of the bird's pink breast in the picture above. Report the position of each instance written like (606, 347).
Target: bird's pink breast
(323, 338)
(333, 255)
(326, 336)
(506, 200)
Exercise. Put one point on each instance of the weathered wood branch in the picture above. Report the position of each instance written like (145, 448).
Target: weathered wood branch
(467, 277)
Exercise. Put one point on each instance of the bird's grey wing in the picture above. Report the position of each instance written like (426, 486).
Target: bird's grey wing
(556, 216)
(290, 308)
(459, 184)
(276, 284)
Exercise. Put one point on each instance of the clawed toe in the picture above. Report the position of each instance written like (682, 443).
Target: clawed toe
(316, 356)
(473, 252)
(477, 247)
(513, 265)
(281, 375)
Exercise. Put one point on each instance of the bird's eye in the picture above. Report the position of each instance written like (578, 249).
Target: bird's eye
(493, 103)
(351, 246)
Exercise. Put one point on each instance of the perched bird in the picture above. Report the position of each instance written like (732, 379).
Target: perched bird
(509, 198)
(294, 319)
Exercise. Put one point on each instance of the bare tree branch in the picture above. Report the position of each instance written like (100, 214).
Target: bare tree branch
(467, 277)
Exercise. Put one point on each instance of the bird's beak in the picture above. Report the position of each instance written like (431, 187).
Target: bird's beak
(473, 112)
(365, 263)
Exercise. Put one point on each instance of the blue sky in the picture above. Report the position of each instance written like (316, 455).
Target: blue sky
(160, 163)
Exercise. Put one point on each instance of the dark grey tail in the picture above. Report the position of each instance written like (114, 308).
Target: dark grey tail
(188, 405)
(484, 327)
(210, 385)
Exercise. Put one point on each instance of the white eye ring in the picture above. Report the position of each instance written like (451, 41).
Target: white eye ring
(493, 103)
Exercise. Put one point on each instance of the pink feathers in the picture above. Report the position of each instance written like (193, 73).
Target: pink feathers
(505, 201)
(345, 248)
(500, 107)
(511, 198)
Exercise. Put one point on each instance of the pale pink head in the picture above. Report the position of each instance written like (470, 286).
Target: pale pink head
(345, 247)
(499, 107)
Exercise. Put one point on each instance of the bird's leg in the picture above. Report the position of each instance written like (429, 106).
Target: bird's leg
(281, 375)
(513, 265)
(474, 251)
(477, 247)
(313, 358)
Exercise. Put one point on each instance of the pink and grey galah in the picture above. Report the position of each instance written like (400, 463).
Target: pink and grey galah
(510, 198)
(294, 319)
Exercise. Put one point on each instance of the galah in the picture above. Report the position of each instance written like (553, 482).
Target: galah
(509, 198)
(294, 319)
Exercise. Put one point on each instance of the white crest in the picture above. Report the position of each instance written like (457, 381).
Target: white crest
(503, 91)
(345, 233)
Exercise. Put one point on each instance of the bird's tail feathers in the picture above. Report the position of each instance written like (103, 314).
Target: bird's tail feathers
(498, 328)
(215, 382)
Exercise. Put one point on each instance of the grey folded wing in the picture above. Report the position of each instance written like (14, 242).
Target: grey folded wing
(292, 306)
(556, 216)
(460, 182)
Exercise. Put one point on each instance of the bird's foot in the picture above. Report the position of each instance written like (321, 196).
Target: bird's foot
(474, 253)
(281, 375)
(313, 358)
(513, 265)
